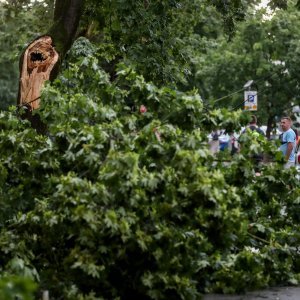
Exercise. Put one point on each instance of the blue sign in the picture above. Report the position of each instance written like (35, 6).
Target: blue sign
(251, 98)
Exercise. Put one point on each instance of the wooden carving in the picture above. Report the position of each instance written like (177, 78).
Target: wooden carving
(38, 60)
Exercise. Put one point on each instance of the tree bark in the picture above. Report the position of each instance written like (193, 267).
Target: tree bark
(269, 126)
(67, 14)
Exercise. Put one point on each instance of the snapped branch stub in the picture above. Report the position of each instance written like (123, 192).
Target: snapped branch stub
(38, 61)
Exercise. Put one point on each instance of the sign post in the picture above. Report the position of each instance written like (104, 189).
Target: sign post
(250, 100)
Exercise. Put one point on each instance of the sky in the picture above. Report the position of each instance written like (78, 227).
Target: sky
(264, 3)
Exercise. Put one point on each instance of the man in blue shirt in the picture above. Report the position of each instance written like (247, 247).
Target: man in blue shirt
(288, 142)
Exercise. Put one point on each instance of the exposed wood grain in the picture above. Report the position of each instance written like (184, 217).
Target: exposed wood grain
(38, 60)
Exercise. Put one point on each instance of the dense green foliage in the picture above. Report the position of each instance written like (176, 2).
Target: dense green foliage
(121, 198)
(118, 203)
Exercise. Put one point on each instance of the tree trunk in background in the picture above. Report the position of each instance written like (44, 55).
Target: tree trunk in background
(41, 60)
(67, 14)
(269, 126)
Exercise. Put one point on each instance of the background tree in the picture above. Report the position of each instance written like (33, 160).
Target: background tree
(263, 50)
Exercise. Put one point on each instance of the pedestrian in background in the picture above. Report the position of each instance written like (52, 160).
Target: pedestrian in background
(253, 125)
(214, 141)
(288, 142)
(224, 139)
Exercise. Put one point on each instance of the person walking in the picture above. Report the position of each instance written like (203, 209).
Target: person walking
(288, 142)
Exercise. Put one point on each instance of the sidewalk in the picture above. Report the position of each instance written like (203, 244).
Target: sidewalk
(280, 293)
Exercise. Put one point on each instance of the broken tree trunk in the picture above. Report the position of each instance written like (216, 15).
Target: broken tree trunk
(38, 61)
(42, 58)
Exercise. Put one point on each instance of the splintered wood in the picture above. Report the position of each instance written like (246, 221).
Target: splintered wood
(38, 61)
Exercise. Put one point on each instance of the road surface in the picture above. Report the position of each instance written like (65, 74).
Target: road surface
(280, 293)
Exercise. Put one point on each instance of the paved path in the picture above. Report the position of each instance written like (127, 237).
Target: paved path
(282, 293)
